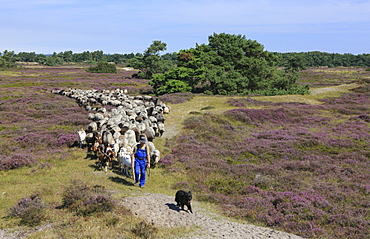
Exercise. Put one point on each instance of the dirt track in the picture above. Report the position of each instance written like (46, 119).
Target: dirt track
(161, 211)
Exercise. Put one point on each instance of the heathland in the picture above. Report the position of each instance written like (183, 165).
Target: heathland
(293, 163)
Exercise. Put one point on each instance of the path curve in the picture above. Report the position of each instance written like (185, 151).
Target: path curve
(161, 211)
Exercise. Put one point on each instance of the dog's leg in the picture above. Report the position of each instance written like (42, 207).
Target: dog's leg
(189, 207)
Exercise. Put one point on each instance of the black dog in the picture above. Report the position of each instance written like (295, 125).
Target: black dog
(183, 198)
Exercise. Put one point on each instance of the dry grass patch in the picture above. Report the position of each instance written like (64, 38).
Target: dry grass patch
(217, 104)
(313, 97)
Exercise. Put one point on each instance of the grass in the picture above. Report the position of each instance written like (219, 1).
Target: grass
(287, 154)
(50, 182)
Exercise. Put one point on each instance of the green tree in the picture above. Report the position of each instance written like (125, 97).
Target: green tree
(41, 59)
(27, 56)
(98, 56)
(151, 62)
(229, 65)
(87, 57)
(8, 59)
(103, 67)
(173, 86)
(68, 56)
(54, 60)
(295, 63)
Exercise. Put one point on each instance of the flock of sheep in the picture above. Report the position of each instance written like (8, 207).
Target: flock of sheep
(113, 133)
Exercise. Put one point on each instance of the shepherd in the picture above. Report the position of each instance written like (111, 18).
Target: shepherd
(140, 161)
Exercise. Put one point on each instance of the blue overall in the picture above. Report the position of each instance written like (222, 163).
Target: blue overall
(140, 166)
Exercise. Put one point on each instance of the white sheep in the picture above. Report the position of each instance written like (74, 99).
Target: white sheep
(124, 159)
(81, 137)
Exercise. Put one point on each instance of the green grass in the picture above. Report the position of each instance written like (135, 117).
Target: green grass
(22, 84)
(51, 181)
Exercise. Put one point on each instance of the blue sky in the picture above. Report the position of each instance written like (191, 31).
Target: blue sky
(122, 26)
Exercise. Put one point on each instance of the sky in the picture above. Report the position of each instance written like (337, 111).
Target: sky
(131, 26)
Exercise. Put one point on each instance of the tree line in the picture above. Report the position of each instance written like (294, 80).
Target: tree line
(306, 59)
(9, 58)
(317, 59)
(226, 65)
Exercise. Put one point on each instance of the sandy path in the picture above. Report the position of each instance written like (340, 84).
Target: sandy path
(161, 211)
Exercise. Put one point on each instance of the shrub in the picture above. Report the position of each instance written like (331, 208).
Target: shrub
(31, 210)
(75, 194)
(176, 98)
(103, 67)
(96, 204)
(16, 161)
(145, 230)
(66, 139)
(85, 200)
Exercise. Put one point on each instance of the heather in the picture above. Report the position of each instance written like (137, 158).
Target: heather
(297, 167)
(31, 210)
(176, 98)
(33, 120)
(38, 144)
(85, 200)
(333, 76)
(291, 166)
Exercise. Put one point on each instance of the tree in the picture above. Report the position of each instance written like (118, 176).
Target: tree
(27, 56)
(8, 59)
(87, 56)
(174, 86)
(103, 67)
(229, 65)
(151, 62)
(98, 56)
(179, 79)
(294, 63)
(68, 56)
(55, 59)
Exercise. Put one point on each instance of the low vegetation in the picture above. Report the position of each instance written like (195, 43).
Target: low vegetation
(31, 211)
(288, 165)
(102, 67)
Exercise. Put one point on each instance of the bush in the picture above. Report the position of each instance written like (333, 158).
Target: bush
(31, 210)
(17, 161)
(103, 67)
(145, 230)
(85, 200)
(96, 204)
(176, 98)
(75, 194)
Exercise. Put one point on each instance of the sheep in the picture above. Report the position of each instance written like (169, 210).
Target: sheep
(150, 133)
(124, 159)
(154, 154)
(160, 128)
(93, 127)
(116, 135)
(90, 140)
(166, 109)
(122, 141)
(81, 137)
(131, 137)
(108, 138)
(121, 125)
(111, 154)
